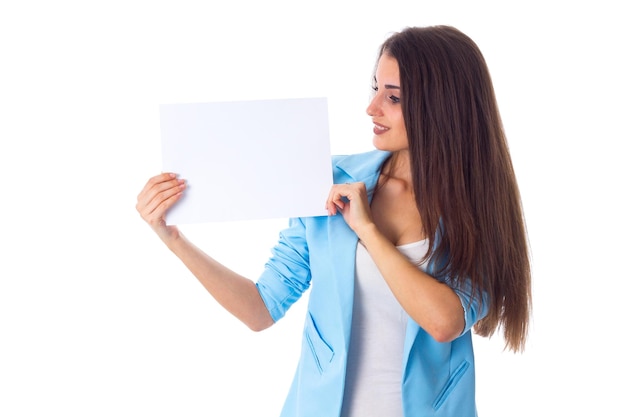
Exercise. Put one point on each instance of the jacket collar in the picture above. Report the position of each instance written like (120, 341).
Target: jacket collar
(364, 167)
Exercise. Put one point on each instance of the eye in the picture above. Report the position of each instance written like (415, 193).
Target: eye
(394, 99)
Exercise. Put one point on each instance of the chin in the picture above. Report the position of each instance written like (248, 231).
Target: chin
(389, 146)
(380, 144)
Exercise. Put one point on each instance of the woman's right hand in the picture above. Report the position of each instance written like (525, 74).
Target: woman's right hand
(158, 195)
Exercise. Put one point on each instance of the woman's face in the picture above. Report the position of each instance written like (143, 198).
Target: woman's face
(385, 108)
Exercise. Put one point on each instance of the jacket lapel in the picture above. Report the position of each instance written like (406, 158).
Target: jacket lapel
(342, 247)
(342, 240)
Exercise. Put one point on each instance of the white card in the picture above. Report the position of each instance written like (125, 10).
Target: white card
(245, 160)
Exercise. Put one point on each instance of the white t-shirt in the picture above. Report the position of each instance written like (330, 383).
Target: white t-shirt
(374, 370)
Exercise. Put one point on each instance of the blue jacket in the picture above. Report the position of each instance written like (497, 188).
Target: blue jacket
(318, 253)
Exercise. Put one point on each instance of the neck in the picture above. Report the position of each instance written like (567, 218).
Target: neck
(398, 166)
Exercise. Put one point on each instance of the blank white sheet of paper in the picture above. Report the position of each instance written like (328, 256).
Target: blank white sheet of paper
(248, 160)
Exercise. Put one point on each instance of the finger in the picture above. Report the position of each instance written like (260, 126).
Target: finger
(157, 179)
(346, 191)
(156, 215)
(336, 197)
(163, 200)
(158, 184)
(158, 189)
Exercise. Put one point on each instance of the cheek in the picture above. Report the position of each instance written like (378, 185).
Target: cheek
(399, 124)
(398, 117)
(404, 139)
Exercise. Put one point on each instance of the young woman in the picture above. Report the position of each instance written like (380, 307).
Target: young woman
(425, 240)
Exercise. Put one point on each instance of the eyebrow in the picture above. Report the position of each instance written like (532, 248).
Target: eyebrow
(388, 86)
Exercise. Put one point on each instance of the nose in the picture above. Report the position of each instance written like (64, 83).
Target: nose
(374, 108)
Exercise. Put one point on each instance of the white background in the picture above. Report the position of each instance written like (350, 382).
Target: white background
(97, 318)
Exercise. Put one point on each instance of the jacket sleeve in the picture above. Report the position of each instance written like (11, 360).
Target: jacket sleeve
(287, 274)
(475, 303)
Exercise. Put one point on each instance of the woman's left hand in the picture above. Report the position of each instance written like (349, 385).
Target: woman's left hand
(350, 199)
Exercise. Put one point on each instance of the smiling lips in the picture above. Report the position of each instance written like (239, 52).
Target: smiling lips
(379, 129)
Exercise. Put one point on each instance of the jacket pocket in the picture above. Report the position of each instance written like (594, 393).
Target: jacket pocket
(321, 351)
(451, 384)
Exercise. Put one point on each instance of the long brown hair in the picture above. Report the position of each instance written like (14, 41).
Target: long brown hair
(463, 177)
